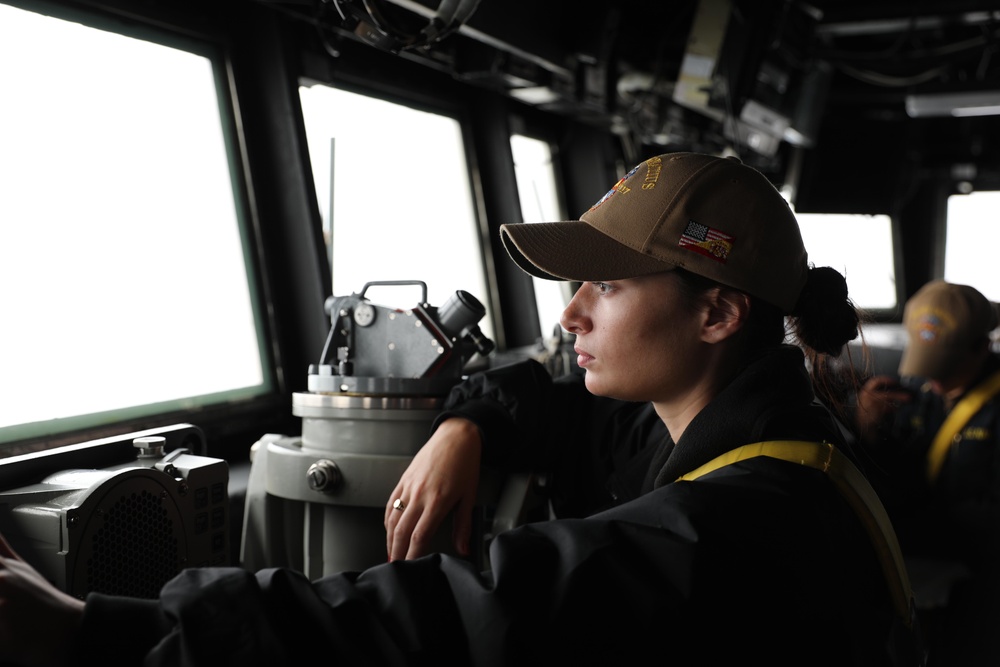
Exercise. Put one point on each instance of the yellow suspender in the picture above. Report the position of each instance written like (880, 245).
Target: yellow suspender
(956, 421)
(855, 488)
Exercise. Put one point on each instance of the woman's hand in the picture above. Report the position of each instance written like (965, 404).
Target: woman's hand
(37, 620)
(443, 476)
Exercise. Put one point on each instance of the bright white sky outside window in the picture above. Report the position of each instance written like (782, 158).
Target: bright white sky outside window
(860, 247)
(973, 235)
(536, 188)
(122, 278)
(402, 202)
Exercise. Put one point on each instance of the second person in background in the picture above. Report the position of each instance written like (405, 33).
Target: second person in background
(935, 432)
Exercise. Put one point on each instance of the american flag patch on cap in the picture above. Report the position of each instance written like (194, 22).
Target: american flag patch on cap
(706, 241)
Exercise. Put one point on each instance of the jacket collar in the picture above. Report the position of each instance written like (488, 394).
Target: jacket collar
(770, 398)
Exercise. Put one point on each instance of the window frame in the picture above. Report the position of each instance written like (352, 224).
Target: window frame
(263, 403)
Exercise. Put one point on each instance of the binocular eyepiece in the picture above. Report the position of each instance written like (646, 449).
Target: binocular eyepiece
(459, 316)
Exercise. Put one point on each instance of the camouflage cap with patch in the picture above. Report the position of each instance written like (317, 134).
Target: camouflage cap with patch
(713, 216)
(945, 324)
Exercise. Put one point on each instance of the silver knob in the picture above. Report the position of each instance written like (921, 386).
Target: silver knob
(324, 476)
(150, 446)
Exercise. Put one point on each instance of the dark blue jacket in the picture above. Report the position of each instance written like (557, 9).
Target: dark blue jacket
(762, 561)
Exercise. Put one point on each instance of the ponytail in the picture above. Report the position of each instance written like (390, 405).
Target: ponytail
(824, 319)
(823, 322)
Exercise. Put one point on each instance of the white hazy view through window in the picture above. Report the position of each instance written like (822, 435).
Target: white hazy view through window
(860, 247)
(401, 205)
(537, 191)
(973, 235)
(122, 275)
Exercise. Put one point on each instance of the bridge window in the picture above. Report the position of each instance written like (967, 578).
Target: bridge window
(125, 276)
(395, 196)
(970, 248)
(860, 247)
(537, 190)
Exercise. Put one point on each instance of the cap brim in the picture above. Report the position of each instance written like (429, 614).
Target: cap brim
(573, 250)
(919, 361)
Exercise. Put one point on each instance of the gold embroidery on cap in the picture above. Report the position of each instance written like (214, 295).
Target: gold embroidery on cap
(653, 168)
(706, 241)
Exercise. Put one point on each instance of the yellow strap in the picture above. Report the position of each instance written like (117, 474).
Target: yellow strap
(855, 488)
(956, 420)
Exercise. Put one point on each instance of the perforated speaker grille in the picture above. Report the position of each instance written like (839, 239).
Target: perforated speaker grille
(133, 543)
